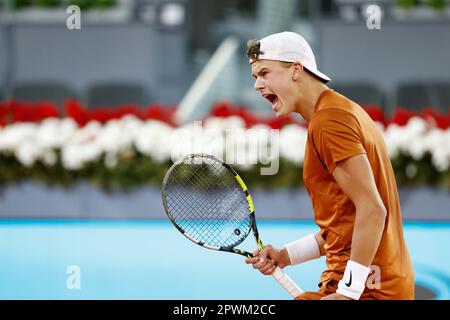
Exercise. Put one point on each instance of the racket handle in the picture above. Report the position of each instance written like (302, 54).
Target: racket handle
(287, 283)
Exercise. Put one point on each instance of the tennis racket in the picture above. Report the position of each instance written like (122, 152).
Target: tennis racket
(209, 203)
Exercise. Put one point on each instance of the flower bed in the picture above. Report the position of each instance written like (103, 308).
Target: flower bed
(129, 146)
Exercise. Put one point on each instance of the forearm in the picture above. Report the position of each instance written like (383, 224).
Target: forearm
(367, 233)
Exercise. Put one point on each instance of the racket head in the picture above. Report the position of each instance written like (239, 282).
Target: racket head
(208, 202)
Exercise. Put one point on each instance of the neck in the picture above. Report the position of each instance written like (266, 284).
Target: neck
(310, 92)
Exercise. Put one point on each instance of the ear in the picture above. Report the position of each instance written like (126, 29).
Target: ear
(297, 69)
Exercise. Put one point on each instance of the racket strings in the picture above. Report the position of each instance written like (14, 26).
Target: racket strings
(210, 230)
(206, 201)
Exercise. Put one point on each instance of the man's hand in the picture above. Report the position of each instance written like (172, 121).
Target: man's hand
(268, 259)
(335, 296)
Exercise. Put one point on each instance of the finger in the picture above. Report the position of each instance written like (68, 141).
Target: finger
(265, 252)
(267, 267)
(262, 262)
(251, 259)
(259, 265)
(270, 270)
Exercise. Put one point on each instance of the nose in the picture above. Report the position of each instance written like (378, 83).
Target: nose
(259, 84)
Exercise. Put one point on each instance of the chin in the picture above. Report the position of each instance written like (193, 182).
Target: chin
(281, 113)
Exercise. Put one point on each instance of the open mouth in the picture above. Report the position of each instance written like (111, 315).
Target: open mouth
(273, 99)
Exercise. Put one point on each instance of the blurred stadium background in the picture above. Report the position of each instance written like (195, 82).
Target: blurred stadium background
(87, 122)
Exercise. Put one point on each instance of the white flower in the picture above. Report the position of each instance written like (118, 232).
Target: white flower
(49, 157)
(416, 126)
(293, 143)
(441, 160)
(416, 148)
(82, 147)
(439, 145)
(233, 122)
(214, 123)
(53, 133)
(392, 137)
(224, 124)
(71, 157)
(27, 153)
(155, 139)
(111, 138)
(212, 142)
(75, 155)
(236, 149)
(110, 160)
(262, 143)
(14, 135)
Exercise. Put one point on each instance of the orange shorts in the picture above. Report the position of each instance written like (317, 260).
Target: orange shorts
(326, 288)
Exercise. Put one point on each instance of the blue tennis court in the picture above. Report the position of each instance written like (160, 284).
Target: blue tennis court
(151, 260)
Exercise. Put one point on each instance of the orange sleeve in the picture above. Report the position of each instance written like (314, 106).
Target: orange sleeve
(336, 136)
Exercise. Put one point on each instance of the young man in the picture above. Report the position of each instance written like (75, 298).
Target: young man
(348, 175)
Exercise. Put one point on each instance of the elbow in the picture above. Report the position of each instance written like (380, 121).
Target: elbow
(374, 213)
(382, 212)
(379, 214)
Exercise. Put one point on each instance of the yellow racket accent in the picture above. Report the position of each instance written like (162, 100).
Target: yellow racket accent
(243, 186)
(250, 203)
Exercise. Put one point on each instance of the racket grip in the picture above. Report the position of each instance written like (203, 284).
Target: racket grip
(287, 283)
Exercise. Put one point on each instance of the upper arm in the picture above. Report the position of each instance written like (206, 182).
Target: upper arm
(354, 176)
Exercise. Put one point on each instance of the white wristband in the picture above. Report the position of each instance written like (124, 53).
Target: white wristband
(353, 283)
(303, 249)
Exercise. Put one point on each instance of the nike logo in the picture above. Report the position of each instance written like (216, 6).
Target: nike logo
(349, 283)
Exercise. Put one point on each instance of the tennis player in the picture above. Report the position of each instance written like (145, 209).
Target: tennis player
(348, 176)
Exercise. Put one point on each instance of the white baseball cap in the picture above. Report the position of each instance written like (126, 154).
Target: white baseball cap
(289, 47)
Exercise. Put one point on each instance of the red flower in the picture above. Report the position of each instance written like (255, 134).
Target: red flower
(249, 119)
(45, 110)
(161, 113)
(435, 118)
(376, 113)
(5, 109)
(222, 109)
(100, 114)
(22, 111)
(279, 122)
(128, 109)
(401, 116)
(74, 109)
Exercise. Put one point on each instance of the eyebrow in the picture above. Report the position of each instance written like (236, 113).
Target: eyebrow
(259, 71)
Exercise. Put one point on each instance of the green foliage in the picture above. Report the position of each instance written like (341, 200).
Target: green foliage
(104, 4)
(412, 172)
(43, 4)
(436, 4)
(132, 169)
(83, 4)
(406, 4)
(47, 3)
(20, 4)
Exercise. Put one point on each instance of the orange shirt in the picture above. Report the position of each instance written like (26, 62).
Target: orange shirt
(340, 129)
